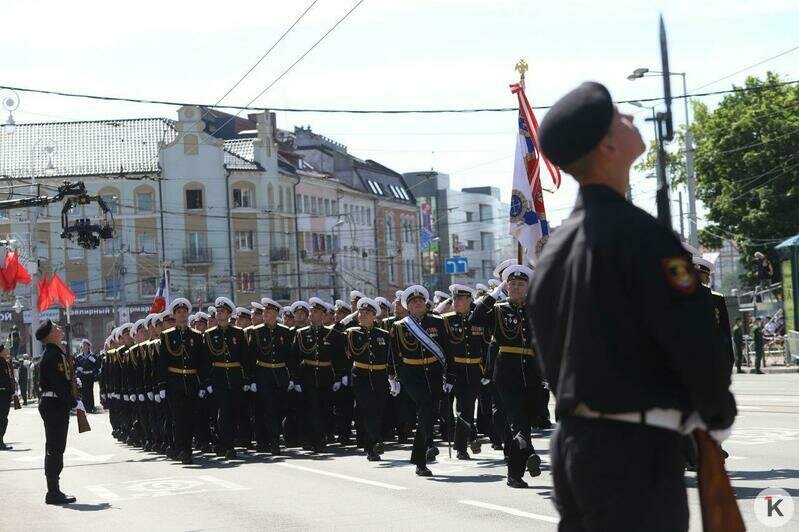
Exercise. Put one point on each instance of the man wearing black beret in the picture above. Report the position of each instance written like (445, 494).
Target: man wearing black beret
(56, 402)
(620, 323)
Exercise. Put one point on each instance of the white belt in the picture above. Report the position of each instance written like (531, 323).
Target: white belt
(49, 394)
(655, 417)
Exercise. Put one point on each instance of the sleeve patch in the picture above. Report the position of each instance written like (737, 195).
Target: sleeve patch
(680, 274)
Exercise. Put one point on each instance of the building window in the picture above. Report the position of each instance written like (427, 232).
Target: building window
(334, 206)
(242, 198)
(111, 246)
(111, 287)
(75, 252)
(487, 241)
(196, 242)
(194, 198)
(486, 213)
(391, 273)
(244, 241)
(245, 282)
(270, 197)
(469, 216)
(112, 202)
(389, 229)
(145, 201)
(79, 288)
(470, 244)
(146, 242)
(148, 286)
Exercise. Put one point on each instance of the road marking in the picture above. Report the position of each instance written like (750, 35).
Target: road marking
(762, 435)
(511, 511)
(162, 487)
(71, 454)
(343, 477)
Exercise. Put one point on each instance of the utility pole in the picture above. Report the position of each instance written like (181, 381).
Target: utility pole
(682, 223)
(690, 178)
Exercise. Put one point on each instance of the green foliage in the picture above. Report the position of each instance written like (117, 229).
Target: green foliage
(747, 167)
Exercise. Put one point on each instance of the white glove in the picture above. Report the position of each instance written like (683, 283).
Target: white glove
(162, 393)
(141, 397)
(79, 370)
(80, 406)
(447, 387)
(246, 387)
(348, 318)
(132, 398)
(443, 305)
(298, 388)
(254, 388)
(102, 396)
(125, 398)
(150, 396)
(78, 382)
(485, 381)
(201, 394)
(210, 389)
(158, 398)
(694, 421)
(291, 386)
(498, 291)
(336, 386)
(394, 386)
(345, 380)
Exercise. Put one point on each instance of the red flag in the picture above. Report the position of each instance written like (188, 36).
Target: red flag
(61, 292)
(45, 295)
(161, 299)
(14, 272)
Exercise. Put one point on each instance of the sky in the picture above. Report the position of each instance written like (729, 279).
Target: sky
(388, 54)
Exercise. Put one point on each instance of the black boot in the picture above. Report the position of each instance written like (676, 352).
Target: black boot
(423, 471)
(4, 447)
(516, 483)
(534, 465)
(54, 495)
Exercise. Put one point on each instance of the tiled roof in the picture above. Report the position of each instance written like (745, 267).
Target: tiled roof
(107, 147)
(240, 155)
(382, 181)
(104, 147)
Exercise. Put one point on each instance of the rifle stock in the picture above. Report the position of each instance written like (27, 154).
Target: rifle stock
(83, 422)
(17, 406)
(720, 511)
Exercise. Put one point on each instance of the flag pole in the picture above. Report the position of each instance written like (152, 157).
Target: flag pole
(521, 67)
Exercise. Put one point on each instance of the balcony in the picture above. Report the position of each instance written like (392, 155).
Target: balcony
(198, 256)
(279, 254)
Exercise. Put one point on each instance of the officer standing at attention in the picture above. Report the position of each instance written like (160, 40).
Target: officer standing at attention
(8, 387)
(57, 400)
(737, 343)
(621, 326)
(88, 368)
(182, 373)
(757, 340)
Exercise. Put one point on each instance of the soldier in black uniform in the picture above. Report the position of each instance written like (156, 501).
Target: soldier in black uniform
(465, 356)
(343, 397)
(367, 346)
(226, 352)
(205, 405)
(316, 374)
(56, 402)
(269, 357)
(244, 421)
(421, 366)
(8, 389)
(722, 322)
(622, 328)
(88, 369)
(516, 374)
(182, 372)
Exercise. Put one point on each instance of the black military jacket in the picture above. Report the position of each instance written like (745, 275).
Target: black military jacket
(227, 354)
(54, 375)
(414, 361)
(270, 350)
(181, 360)
(365, 350)
(465, 348)
(619, 318)
(315, 355)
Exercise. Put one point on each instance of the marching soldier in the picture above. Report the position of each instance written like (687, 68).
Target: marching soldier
(57, 400)
(211, 311)
(141, 369)
(623, 380)
(738, 344)
(516, 372)
(287, 317)
(366, 347)
(300, 311)
(343, 398)
(316, 373)
(88, 369)
(243, 317)
(722, 318)
(421, 365)
(226, 351)
(205, 405)
(269, 357)
(182, 375)
(465, 353)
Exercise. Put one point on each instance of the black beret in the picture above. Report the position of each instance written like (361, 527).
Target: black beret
(576, 123)
(44, 329)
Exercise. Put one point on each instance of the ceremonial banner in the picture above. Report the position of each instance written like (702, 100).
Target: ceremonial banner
(528, 219)
(161, 300)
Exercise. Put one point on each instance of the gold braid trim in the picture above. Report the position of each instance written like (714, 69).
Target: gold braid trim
(507, 333)
(352, 351)
(269, 347)
(214, 350)
(180, 352)
(305, 350)
(453, 338)
(407, 340)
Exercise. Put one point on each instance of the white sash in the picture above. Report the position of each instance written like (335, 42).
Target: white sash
(426, 340)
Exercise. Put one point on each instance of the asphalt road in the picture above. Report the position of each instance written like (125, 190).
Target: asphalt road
(120, 489)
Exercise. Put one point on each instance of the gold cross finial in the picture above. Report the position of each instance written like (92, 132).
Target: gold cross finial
(521, 68)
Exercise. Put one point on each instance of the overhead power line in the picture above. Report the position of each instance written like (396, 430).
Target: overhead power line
(369, 111)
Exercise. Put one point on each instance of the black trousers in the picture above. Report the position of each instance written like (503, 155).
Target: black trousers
(611, 475)
(228, 404)
(244, 413)
(202, 427)
(465, 398)
(344, 403)
(55, 415)
(87, 392)
(271, 406)
(519, 404)
(182, 406)
(5, 406)
(317, 410)
(426, 392)
(371, 393)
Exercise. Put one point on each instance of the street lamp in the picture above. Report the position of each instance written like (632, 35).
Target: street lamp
(641, 72)
(10, 104)
(17, 306)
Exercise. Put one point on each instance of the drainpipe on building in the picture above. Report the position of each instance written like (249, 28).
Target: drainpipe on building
(229, 234)
(297, 242)
(377, 249)
(161, 208)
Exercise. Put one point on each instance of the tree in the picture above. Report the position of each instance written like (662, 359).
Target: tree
(747, 167)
